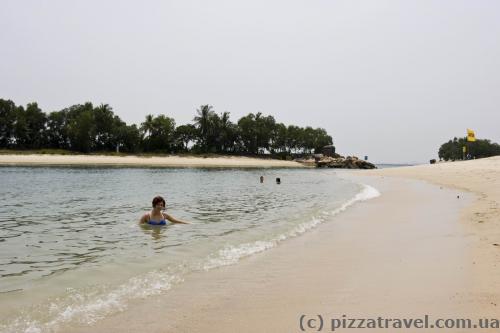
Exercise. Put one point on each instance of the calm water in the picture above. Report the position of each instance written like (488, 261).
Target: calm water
(71, 249)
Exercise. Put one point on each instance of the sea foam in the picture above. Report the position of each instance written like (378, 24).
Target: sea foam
(232, 254)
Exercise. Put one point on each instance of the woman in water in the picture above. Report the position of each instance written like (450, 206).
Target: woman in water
(156, 216)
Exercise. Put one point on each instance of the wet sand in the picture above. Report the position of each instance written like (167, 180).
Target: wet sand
(417, 249)
(138, 161)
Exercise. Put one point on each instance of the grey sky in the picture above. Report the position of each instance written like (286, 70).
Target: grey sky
(388, 79)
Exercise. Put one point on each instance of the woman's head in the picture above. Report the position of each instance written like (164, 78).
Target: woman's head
(158, 201)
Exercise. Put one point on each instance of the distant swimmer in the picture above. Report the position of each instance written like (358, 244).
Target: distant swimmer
(261, 179)
(156, 216)
(278, 180)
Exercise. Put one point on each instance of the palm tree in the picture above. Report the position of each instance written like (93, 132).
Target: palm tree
(225, 127)
(147, 126)
(202, 121)
(224, 119)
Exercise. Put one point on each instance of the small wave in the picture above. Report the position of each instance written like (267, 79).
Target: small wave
(88, 306)
(232, 254)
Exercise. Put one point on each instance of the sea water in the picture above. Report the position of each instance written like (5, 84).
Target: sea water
(72, 251)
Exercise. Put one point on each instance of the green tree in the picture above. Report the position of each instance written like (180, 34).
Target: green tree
(308, 138)
(264, 130)
(484, 148)
(105, 123)
(226, 137)
(203, 122)
(7, 122)
(158, 133)
(56, 132)
(20, 128)
(146, 129)
(321, 139)
(228, 134)
(452, 150)
(294, 138)
(81, 127)
(248, 133)
(279, 138)
(184, 135)
(213, 138)
(35, 121)
(147, 126)
(128, 138)
(85, 128)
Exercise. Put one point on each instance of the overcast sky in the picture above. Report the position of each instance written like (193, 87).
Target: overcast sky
(388, 79)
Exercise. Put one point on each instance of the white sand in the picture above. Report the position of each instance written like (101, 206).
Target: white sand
(168, 161)
(481, 219)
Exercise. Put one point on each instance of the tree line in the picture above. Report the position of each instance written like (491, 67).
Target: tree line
(87, 128)
(453, 149)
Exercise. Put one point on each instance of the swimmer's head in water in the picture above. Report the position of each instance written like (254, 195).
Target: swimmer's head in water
(158, 201)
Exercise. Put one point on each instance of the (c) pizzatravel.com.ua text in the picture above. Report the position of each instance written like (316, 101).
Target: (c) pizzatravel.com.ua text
(321, 323)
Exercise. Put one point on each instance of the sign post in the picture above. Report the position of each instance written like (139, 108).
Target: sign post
(471, 137)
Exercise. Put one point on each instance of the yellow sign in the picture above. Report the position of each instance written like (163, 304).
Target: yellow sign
(471, 137)
(464, 149)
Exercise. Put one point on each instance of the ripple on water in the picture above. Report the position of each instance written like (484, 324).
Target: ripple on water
(79, 227)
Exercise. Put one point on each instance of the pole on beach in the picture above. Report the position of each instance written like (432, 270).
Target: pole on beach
(471, 137)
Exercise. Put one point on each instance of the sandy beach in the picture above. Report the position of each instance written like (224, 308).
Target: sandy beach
(241, 167)
(427, 246)
(136, 161)
(481, 219)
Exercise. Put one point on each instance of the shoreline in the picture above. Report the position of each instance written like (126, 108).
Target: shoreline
(410, 252)
(136, 161)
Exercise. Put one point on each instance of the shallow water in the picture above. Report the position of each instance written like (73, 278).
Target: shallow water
(71, 249)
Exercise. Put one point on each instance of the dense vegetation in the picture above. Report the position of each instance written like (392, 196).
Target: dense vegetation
(87, 128)
(452, 150)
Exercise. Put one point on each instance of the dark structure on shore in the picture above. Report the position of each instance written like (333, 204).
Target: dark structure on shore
(328, 150)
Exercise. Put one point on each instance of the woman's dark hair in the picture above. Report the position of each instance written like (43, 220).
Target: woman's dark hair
(157, 200)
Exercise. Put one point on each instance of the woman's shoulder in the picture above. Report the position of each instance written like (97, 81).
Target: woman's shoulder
(145, 217)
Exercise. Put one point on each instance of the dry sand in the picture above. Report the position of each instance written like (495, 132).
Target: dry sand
(481, 219)
(168, 161)
(417, 249)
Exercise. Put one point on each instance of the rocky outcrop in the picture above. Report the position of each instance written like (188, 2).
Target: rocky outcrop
(349, 162)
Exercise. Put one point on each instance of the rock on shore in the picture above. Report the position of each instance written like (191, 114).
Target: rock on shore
(349, 162)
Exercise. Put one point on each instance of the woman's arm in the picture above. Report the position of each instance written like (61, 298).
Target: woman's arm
(144, 219)
(173, 219)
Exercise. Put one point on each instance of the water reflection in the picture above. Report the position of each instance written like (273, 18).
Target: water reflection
(156, 232)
